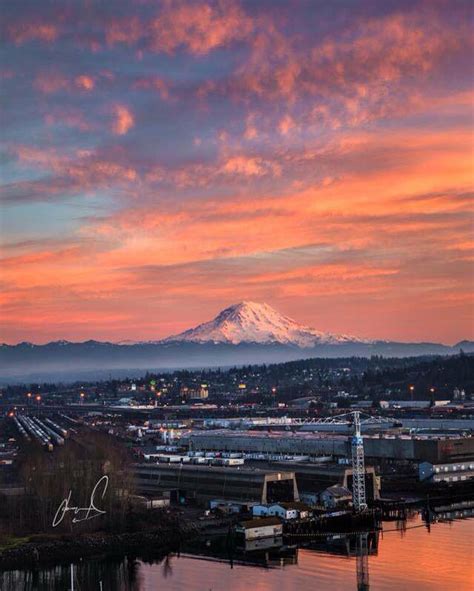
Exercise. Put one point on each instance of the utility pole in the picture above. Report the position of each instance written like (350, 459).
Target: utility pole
(358, 467)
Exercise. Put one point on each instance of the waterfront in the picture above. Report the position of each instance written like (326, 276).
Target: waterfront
(414, 558)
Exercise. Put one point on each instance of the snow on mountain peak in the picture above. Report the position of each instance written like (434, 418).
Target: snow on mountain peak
(253, 322)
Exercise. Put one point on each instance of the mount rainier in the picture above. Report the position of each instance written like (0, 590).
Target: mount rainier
(252, 322)
(242, 334)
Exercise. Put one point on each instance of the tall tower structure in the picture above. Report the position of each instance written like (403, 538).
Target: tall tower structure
(358, 466)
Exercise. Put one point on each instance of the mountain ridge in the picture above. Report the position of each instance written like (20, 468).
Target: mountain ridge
(254, 322)
(246, 322)
(242, 334)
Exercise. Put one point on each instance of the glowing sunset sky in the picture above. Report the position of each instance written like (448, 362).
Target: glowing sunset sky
(162, 160)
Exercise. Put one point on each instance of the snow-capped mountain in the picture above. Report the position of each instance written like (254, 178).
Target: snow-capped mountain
(244, 334)
(252, 322)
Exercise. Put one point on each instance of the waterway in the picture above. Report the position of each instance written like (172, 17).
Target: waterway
(408, 556)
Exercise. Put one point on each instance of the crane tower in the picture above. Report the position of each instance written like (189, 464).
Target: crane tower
(354, 419)
(358, 466)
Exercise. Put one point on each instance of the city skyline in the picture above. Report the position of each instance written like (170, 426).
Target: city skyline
(162, 161)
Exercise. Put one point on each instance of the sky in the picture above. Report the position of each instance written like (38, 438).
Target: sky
(162, 160)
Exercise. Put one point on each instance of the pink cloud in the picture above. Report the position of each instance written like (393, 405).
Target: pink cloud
(51, 82)
(245, 166)
(69, 117)
(126, 30)
(33, 31)
(195, 26)
(123, 120)
(84, 82)
(286, 124)
(153, 83)
(199, 27)
(306, 174)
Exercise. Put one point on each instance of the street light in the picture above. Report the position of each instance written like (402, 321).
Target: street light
(38, 400)
(412, 389)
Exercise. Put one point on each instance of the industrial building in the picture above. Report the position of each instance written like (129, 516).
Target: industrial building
(266, 527)
(417, 448)
(316, 477)
(335, 496)
(454, 472)
(286, 511)
(196, 483)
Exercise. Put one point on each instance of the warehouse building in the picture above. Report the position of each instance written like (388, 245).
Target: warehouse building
(387, 447)
(196, 483)
(317, 477)
(454, 472)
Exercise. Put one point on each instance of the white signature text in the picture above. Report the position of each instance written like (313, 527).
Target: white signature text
(82, 513)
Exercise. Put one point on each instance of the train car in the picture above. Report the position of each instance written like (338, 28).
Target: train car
(50, 432)
(60, 430)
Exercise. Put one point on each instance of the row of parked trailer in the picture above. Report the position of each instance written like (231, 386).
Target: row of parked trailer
(162, 458)
(46, 432)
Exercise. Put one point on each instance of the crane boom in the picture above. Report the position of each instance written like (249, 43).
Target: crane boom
(355, 418)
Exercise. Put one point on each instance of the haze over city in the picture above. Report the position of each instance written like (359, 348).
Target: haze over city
(162, 161)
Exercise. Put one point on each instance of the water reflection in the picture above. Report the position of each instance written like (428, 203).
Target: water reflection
(122, 574)
(436, 555)
(359, 545)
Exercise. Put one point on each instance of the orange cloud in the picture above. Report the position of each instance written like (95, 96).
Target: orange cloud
(251, 131)
(84, 82)
(244, 165)
(127, 31)
(80, 172)
(50, 82)
(198, 26)
(70, 118)
(322, 182)
(286, 124)
(124, 120)
(364, 74)
(24, 32)
(153, 83)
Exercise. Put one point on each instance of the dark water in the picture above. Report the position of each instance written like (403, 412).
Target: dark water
(407, 556)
